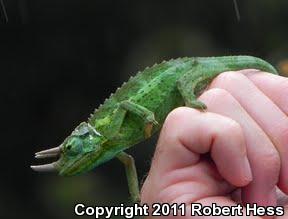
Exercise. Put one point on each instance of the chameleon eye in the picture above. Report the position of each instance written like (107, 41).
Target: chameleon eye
(74, 146)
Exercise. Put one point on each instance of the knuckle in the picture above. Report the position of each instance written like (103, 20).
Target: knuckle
(176, 116)
(230, 129)
(172, 121)
(172, 129)
(231, 126)
(228, 77)
(216, 94)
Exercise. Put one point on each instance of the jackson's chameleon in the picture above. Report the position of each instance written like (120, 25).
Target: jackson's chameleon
(137, 110)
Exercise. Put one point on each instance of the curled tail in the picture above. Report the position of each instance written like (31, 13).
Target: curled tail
(253, 62)
(234, 63)
(194, 82)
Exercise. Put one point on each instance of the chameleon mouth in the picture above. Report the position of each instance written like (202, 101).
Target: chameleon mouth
(51, 167)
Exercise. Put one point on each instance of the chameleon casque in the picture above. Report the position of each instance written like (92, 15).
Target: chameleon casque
(137, 110)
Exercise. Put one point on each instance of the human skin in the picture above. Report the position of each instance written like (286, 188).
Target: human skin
(236, 151)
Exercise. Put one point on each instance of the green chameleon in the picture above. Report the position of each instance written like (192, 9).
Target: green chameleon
(137, 110)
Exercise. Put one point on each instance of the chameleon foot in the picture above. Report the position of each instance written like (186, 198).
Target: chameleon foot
(147, 116)
(197, 105)
(149, 125)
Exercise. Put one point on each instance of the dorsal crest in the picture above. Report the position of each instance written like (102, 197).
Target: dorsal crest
(132, 86)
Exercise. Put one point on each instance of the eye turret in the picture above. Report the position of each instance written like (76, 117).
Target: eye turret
(74, 146)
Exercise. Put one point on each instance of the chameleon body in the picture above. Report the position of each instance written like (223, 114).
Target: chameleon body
(138, 109)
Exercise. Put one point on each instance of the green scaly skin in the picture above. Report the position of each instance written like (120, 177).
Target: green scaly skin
(138, 109)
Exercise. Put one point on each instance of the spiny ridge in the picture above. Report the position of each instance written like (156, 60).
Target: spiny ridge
(131, 79)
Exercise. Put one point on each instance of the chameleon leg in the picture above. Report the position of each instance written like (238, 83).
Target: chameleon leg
(143, 112)
(131, 174)
(113, 129)
(187, 85)
(119, 114)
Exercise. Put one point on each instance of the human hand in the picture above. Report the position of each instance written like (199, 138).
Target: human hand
(237, 151)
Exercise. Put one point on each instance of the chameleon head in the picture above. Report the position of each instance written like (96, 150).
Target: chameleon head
(76, 153)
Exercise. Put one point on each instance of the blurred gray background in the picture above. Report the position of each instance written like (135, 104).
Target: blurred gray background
(60, 59)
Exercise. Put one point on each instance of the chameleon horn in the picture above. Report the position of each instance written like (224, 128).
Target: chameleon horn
(39, 156)
(48, 153)
(45, 168)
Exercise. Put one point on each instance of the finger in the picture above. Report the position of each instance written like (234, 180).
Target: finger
(259, 147)
(273, 86)
(259, 153)
(276, 88)
(266, 114)
(206, 132)
(186, 134)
